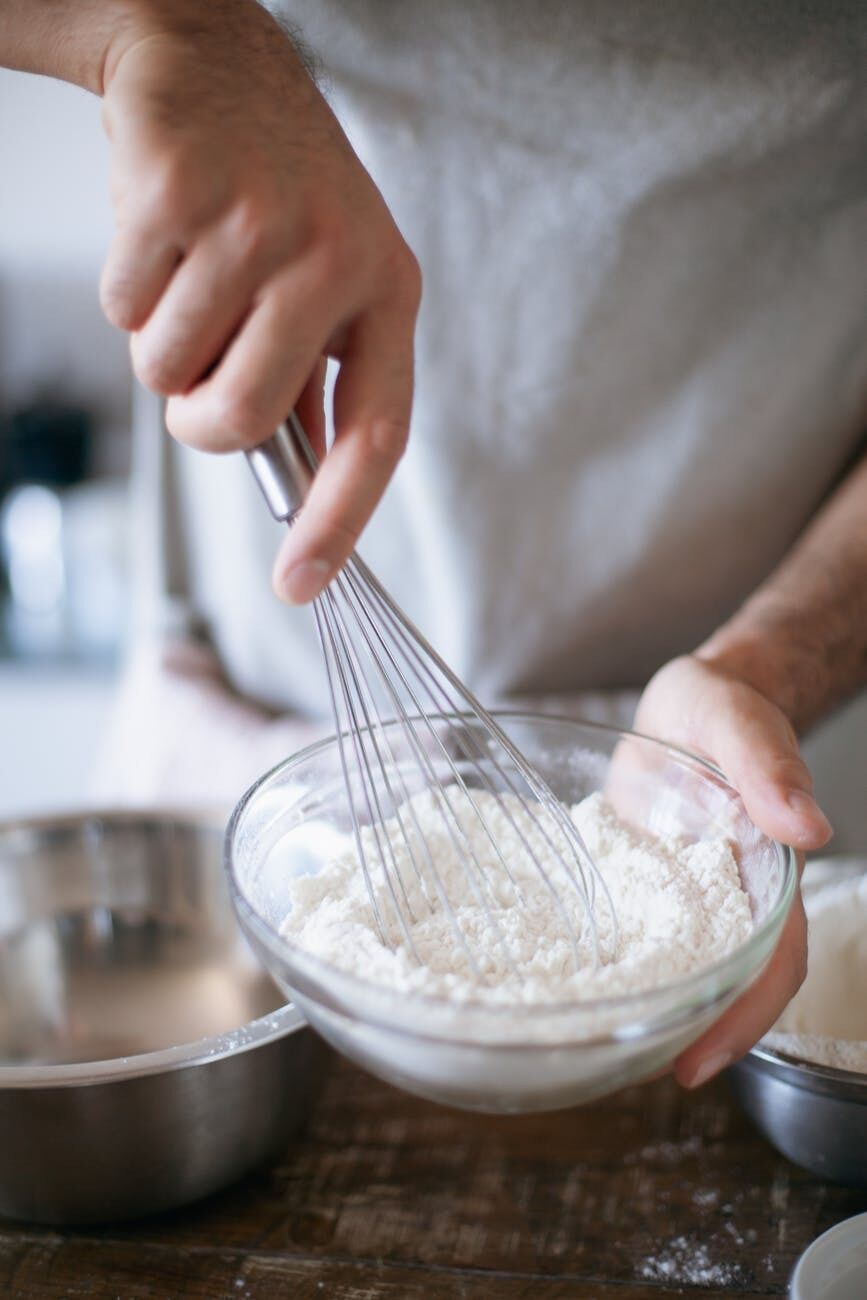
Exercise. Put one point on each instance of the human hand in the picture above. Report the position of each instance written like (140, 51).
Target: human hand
(251, 245)
(693, 703)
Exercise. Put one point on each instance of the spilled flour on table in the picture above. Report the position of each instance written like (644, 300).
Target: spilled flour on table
(679, 905)
(688, 1263)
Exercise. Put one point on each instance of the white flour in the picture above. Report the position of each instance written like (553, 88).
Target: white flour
(826, 1021)
(679, 906)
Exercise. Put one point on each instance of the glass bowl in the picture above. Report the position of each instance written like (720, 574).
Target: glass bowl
(525, 1057)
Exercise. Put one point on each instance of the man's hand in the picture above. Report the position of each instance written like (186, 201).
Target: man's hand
(697, 704)
(250, 245)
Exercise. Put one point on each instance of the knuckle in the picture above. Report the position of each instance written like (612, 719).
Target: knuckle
(189, 424)
(335, 253)
(183, 429)
(240, 419)
(335, 261)
(401, 275)
(162, 195)
(791, 772)
(172, 196)
(407, 278)
(387, 441)
(118, 300)
(251, 233)
(158, 368)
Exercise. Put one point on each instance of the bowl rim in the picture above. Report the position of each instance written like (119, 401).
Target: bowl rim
(815, 1076)
(281, 1022)
(275, 941)
(811, 1076)
(816, 1254)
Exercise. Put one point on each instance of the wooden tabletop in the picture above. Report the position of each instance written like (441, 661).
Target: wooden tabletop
(650, 1193)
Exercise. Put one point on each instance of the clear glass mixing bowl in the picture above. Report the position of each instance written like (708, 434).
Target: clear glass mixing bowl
(506, 1058)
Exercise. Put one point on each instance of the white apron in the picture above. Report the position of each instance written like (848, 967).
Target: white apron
(642, 350)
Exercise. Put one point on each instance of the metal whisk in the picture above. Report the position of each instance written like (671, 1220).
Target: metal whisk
(376, 660)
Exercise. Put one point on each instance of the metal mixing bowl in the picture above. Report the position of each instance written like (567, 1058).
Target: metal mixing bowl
(145, 1058)
(813, 1114)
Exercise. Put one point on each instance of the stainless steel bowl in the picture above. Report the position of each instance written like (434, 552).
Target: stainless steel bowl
(145, 1058)
(813, 1114)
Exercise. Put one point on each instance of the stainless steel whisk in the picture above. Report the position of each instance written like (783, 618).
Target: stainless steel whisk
(376, 658)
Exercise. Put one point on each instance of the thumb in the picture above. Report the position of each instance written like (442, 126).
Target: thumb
(756, 747)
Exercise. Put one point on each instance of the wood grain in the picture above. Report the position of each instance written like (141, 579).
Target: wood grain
(650, 1193)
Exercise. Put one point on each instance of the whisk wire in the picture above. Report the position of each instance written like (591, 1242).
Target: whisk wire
(380, 729)
(451, 820)
(366, 734)
(458, 778)
(412, 643)
(334, 667)
(371, 648)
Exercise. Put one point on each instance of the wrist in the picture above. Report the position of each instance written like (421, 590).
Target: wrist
(68, 39)
(56, 38)
(136, 21)
(787, 671)
(81, 41)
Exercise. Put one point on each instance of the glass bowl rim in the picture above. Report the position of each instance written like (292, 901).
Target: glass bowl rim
(280, 945)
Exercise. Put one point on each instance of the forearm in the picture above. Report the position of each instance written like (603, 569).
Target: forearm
(801, 638)
(79, 40)
(68, 39)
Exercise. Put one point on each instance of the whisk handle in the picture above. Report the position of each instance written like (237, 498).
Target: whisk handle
(284, 466)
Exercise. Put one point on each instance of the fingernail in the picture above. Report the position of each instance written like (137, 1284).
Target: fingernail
(709, 1067)
(305, 580)
(805, 806)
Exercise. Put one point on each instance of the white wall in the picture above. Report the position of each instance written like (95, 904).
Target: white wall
(55, 228)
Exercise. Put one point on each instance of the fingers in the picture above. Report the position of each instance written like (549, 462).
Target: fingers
(260, 367)
(373, 398)
(310, 408)
(252, 244)
(755, 1012)
(747, 736)
(139, 266)
(691, 702)
(263, 370)
(753, 743)
(198, 311)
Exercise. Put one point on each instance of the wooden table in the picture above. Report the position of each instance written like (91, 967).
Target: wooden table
(650, 1193)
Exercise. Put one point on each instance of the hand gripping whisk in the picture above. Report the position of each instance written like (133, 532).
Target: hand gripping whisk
(382, 671)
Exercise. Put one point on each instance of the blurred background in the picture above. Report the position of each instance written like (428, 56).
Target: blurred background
(64, 446)
(65, 399)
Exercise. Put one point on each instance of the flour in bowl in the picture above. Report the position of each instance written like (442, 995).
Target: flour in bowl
(679, 906)
(826, 1021)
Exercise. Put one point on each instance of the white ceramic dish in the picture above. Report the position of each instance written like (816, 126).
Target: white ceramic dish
(835, 1266)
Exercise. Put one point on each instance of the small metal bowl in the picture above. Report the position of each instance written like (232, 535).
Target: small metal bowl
(816, 1115)
(145, 1058)
(813, 1114)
